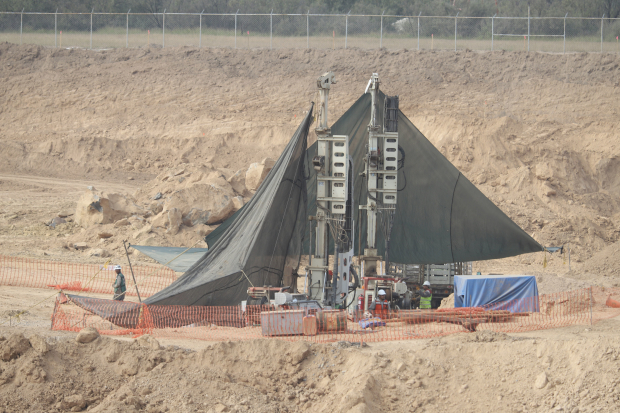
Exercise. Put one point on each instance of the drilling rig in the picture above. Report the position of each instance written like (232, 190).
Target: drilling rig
(334, 177)
(332, 286)
(381, 177)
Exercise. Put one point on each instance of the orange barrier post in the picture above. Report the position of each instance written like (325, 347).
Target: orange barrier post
(612, 303)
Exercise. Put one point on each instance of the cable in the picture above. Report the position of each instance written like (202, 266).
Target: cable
(404, 186)
(357, 281)
(401, 165)
(401, 161)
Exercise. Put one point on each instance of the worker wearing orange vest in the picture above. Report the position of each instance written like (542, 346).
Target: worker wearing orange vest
(380, 307)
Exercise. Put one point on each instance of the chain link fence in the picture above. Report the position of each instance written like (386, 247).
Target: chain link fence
(316, 31)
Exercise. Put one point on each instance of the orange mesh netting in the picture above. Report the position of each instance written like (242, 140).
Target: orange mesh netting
(232, 323)
(583, 306)
(96, 278)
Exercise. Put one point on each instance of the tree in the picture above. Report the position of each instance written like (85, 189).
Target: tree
(611, 8)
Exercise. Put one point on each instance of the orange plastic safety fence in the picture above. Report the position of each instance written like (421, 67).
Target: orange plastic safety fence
(253, 322)
(29, 272)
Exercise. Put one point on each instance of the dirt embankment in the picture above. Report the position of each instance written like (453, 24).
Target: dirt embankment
(575, 371)
(535, 132)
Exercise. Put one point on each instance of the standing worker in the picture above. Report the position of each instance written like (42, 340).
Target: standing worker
(119, 285)
(380, 307)
(426, 296)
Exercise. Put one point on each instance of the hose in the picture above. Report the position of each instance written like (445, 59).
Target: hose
(355, 276)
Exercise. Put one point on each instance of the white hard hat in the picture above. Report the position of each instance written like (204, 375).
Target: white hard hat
(381, 292)
(117, 267)
(427, 283)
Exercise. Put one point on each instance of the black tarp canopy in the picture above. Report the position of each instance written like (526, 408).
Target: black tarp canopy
(262, 245)
(441, 217)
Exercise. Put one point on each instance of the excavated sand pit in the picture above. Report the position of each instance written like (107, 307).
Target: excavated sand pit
(537, 133)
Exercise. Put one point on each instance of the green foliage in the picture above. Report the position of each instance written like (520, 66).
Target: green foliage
(474, 8)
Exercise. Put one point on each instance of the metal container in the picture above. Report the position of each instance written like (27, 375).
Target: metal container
(282, 323)
(310, 326)
(332, 320)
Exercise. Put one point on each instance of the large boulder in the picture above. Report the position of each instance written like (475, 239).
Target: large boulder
(196, 216)
(237, 202)
(192, 196)
(257, 172)
(96, 207)
(39, 344)
(175, 220)
(86, 335)
(237, 181)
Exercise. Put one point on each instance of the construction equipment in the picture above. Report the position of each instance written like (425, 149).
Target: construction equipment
(381, 178)
(263, 295)
(380, 174)
(334, 216)
(440, 277)
(396, 293)
(331, 286)
(267, 298)
(296, 301)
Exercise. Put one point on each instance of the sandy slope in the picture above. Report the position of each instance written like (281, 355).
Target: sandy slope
(536, 132)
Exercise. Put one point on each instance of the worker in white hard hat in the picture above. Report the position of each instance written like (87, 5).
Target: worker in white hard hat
(119, 284)
(380, 307)
(426, 295)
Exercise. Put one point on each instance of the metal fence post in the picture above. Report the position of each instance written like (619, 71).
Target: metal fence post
(91, 28)
(271, 30)
(308, 30)
(381, 39)
(56, 29)
(200, 33)
(564, 47)
(163, 30)
(493, 30)
(528, 28)
(455, 24)
(127, 31)
(419, 30)
(602, 18)
(236, 28)
(346, 29)
(21, 27)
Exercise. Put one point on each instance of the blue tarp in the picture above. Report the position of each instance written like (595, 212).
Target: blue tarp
(179, 259)
(516, 293)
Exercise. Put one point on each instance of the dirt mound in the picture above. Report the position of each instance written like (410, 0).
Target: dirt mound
(447, 302)
(60, 374)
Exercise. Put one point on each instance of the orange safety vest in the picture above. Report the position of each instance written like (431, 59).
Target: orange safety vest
(381, 309)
